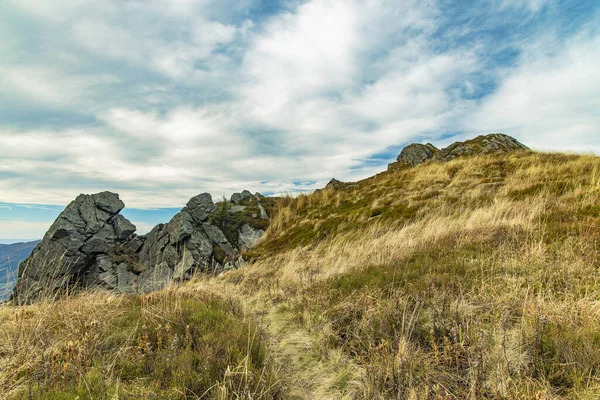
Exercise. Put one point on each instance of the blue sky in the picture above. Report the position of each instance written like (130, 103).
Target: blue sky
(162, 100)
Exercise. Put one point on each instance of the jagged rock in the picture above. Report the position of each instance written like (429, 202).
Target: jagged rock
(263, 212)
(248, 236)
(152, 249)
(69, 248)
(236, 209)
(200, 207)
(180, 227)
(157, 278)
(228, 249)
(200, 247)
(214, 233)
(238, 198)
(104, 263)
(334, 184)
(109, 202)
(109, 278)
(485, 144)
(246, 195)
(135, 244)
(123, 228)
(184, 267)
(415, 154)
(97, 247)
(126, 280)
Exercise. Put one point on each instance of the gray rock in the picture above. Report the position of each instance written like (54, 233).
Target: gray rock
(184, 268)
(248, 236)
(236, 198)
(155, 279)
(109, 202)
(123, 228)
(201, 249)
(263, 212)
(102, 241)
(236, 209)
(155, 242)
(109, 279)
(180, 227)
(68, 251)
(200, 207)
(228, 249)
(135, 244)
(493, 143)
(246, 195)
(126, 280)
(214, 233)
(104, 263)
(415, 154)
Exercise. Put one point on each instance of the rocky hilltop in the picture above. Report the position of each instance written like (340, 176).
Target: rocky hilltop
(416, 153)
(494, 143)
(91, 245)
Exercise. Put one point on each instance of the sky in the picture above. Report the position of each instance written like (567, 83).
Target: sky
(159, 100)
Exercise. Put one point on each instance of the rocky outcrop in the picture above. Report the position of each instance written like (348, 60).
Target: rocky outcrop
(415, 154)
(92, 245)
(335, 184)
(494, 143)
(66, 257)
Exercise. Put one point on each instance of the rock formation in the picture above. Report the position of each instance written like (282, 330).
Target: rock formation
(494, 143)
(415, 154)
(91, 245)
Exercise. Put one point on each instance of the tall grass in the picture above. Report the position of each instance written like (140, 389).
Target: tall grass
(167, 345)
(476, 278)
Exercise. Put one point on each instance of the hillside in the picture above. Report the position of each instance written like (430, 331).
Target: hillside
(476, 277)
(10, 257)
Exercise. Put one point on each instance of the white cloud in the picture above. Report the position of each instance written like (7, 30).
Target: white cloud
(189, 96)
(551, 100)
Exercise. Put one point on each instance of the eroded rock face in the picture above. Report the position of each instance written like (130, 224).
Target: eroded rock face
(92, 245)
(87, 228)
(494, 143)
(416, 154)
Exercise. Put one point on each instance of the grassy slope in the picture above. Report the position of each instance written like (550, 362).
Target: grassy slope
(476, 278)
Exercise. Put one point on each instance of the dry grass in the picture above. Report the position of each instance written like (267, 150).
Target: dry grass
(486, 288)
(168, 345)
(476, 278)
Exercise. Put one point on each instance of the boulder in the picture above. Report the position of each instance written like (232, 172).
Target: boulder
(415, 154)
(236, 209)
(236, 198)
(248, 237)
(92, 245)
(493, 143)
(89, 225)
(263, 212)
(200, 207)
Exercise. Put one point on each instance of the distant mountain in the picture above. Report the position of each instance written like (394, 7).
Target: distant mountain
(10, 257)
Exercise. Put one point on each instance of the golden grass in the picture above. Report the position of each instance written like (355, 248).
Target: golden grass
(476, 278)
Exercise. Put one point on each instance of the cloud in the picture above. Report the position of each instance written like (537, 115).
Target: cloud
(551, 100)
(160, 101)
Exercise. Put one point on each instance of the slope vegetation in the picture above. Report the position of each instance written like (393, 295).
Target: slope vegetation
(473, 278)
